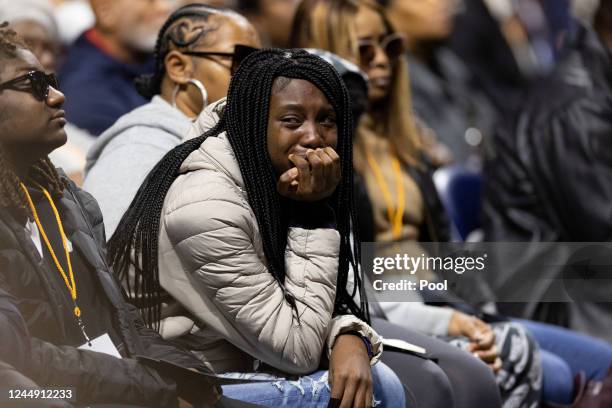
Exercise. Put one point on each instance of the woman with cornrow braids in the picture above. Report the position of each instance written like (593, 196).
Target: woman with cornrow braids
(249, 226)
(197, 50)
(53, 266)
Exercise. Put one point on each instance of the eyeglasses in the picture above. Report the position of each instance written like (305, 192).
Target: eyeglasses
(35, 82)
(393, 45)
(239, 54)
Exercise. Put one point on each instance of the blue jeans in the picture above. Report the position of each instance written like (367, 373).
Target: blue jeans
(565, 354)
(314, 391)
(557, 379)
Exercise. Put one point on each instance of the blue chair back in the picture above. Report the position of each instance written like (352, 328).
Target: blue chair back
(460, 190)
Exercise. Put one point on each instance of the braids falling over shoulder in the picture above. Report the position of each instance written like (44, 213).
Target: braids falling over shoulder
(135, 242)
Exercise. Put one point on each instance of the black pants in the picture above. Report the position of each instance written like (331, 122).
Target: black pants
(458, 380)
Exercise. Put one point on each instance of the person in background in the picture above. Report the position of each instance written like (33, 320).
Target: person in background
(564, 352)
(482, 43)
(437, 388)
(509, 45)
(35, 22)
(74, 17)
(195, 56)
(380, 59)
(271, 18)
(444, 93)
(389, 157)
(101, 65)
(549, 181)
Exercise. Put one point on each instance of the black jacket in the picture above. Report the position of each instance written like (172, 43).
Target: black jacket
(551, 177)
(15, 352)
(96, 377)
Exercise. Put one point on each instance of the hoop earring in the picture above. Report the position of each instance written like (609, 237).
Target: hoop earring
(197, 84)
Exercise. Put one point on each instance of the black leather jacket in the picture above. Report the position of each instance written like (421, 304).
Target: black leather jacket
(97, 378)
(551, 178)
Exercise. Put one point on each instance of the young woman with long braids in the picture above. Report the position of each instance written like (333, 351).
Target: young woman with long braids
(249, 227)
(197, 50)
(52, 263)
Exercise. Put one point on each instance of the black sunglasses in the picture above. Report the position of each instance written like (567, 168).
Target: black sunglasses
(35, 82)
(239, 54)
(393, 45)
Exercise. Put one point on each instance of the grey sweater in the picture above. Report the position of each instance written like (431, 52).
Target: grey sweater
(122, 157)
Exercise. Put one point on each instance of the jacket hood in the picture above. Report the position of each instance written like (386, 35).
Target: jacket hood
(156, 114)
(214, 151)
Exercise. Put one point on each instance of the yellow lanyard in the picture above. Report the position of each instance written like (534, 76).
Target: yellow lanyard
(68, 278)
(395, 217)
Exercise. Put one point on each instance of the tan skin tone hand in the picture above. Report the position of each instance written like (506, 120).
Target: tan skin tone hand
(350, 374)
(480, 335)
(314, 177)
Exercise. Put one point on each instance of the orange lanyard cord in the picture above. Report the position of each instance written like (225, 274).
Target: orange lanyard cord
(68, 278)
(399, 213)
(395, 217)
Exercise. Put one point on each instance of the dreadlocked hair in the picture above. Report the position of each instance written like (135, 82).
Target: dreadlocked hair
(245, 119)
(10, 42)
(177, 33)
(41, 172)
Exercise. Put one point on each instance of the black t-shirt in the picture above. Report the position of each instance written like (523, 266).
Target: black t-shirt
(96, 310)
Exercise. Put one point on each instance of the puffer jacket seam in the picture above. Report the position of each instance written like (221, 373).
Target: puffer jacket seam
(200, 202)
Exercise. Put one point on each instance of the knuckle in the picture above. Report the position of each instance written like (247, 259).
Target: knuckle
(344, 376)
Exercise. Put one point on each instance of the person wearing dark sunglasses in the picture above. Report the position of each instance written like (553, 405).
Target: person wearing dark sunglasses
(23, 87)
(64, 299)
(34, 82)
(197, 51)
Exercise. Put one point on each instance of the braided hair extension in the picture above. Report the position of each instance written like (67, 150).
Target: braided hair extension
(245, 119)
(134, 243)
(42, 172)
(178, 33)
(11, 195)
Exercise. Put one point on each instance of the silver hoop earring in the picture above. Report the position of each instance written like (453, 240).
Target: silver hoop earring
(198, 85)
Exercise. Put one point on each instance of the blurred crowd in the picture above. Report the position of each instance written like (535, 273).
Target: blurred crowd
(187, 184)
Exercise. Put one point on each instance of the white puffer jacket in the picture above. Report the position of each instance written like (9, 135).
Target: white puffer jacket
(212, 261)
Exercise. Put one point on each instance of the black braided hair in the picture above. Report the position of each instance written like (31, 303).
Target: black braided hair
(174, 35)
(245, 119)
